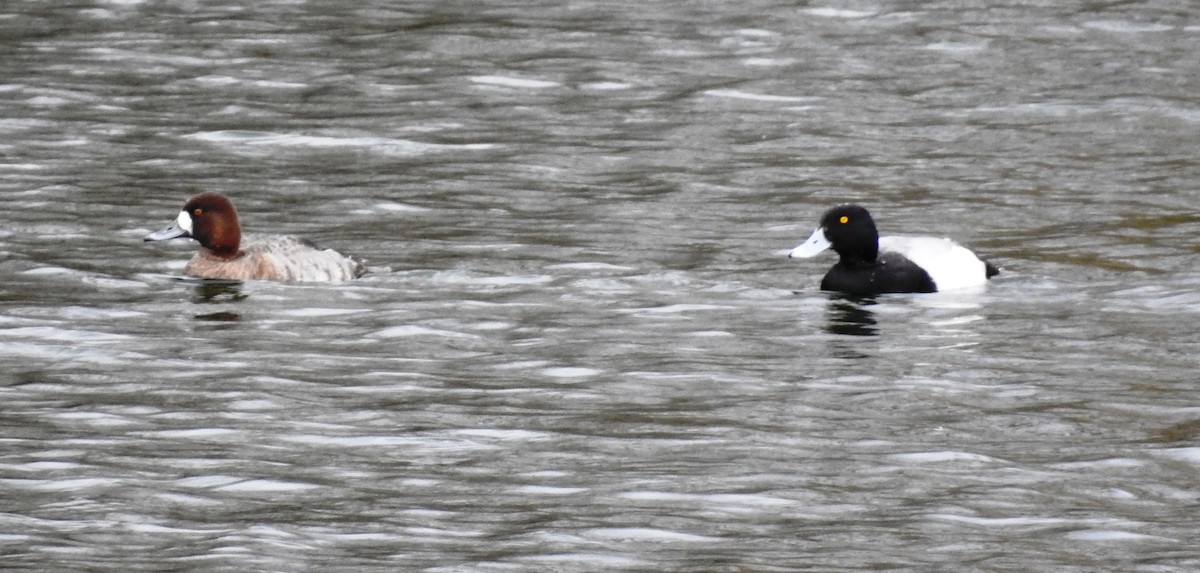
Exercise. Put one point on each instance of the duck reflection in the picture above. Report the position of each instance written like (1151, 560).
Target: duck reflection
(217, 292)
(209, 291)
(850, 316)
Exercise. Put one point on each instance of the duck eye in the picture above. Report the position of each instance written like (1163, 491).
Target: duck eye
(199, 212)
(843, 220)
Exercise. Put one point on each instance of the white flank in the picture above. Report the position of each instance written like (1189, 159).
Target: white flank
(950, 265)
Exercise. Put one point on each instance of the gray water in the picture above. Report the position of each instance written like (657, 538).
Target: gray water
(582, 347)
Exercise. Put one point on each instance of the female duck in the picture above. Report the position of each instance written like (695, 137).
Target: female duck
(211, 219)
(871, 264)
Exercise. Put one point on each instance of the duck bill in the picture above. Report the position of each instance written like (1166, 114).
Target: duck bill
(813, 246)
(181, 227)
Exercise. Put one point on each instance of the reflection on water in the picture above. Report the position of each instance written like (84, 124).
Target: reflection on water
(219, 316)
(209, 291)
(850, 316)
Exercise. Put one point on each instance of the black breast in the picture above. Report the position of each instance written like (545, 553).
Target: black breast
(891, 272)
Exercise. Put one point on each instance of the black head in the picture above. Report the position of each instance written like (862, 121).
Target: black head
(852, 234)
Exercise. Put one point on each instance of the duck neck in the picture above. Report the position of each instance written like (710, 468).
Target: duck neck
(862, 256)
(225, 240)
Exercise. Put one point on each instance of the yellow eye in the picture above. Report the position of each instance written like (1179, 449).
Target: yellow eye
(843, 220)
(199, 212)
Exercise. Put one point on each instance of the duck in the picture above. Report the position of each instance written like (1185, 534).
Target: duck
(212, 221)
(871, 265)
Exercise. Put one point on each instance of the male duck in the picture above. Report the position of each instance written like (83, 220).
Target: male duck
(871, 264)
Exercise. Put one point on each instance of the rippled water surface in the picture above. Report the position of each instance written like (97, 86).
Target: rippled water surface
(581, 347)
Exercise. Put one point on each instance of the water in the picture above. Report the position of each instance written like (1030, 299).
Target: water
(582, 348)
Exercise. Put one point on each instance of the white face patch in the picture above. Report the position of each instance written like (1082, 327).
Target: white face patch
(184, 221)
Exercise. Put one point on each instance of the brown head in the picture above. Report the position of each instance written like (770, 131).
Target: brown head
(210, 219)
